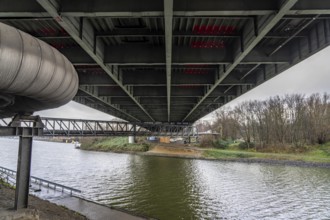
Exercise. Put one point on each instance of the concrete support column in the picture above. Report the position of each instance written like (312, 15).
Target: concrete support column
(131, 139)
(23, 171)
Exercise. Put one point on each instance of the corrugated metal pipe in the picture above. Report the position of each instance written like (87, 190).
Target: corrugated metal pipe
(33, 75)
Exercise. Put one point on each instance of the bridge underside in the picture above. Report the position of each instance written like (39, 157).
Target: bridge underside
(173, 61)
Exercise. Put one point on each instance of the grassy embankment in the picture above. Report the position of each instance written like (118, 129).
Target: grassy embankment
(316, 154)
(114, 144)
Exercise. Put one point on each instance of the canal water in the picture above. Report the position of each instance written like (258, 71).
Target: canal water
(170, 188)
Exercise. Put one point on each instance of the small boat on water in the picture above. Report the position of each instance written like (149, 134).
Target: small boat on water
(77, 144)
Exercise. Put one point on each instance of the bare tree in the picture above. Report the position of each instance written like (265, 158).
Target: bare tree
(279, 121)
(225, 124)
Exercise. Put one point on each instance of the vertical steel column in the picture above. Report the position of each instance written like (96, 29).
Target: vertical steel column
(23, 169)
(134, 127)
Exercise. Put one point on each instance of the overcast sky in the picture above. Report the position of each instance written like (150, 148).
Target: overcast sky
(310, 76)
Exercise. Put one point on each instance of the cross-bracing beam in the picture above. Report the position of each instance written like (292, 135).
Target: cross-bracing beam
(138, 32)
(28, 14)
(193, 8)
(155, 55)
(272, 21)
(92, 91)
(84, 35)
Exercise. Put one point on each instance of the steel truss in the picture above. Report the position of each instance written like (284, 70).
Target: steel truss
(79, 127)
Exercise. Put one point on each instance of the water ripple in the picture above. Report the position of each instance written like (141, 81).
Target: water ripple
(168, 188)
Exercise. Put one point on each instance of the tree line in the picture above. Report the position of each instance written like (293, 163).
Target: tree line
(294, 120)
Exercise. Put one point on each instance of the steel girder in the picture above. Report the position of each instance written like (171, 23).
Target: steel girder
(168, 59)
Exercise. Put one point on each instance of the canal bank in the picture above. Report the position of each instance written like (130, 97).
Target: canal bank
(38, 208)
(68, 207)
(314, 156)
(318, 155)
(177, 151)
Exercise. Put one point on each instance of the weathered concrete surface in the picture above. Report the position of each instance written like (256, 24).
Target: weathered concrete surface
(38, 208)
(94, 211)
(48, 210)
(25, 214)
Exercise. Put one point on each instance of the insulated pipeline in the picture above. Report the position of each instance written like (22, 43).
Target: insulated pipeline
(33, 75)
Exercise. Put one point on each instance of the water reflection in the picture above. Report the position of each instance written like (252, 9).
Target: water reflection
(169, 188)
(161, 187)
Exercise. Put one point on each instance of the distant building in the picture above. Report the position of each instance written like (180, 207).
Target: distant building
(208, 132)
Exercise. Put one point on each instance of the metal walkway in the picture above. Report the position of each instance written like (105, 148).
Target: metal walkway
(79, 127)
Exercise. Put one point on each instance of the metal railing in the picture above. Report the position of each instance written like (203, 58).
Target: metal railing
(8, 175)
(11, 174)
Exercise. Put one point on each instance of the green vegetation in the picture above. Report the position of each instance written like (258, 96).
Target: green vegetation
(318, 154)
(209, 141)
(291, 122)
(221, 144)
(114, 144)
(4, 183)
(293, 127)
(221, 149)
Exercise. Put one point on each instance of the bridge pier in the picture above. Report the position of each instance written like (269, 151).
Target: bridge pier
(25, 127)
(131, 139)
(23, 170)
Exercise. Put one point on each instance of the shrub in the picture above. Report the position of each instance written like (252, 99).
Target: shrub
(206, 141)
(246, 145)
(145, 147)
(221, 144)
